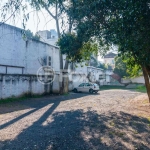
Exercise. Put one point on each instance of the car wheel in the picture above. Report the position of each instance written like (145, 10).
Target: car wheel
(91, 91)
(75, 90)
(96, 91)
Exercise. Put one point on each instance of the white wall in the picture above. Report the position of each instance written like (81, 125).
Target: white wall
(80, 75)
(43, 37)
(17, 52)
(37, 51)
(12, 85)
(12, 47)
(134, 80)
(14, 50)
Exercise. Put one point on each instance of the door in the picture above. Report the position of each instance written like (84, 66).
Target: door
(81, 87)
(87, 87)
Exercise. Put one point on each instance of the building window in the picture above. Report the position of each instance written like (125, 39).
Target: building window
(49, 61)
(53, 37)
(48, 35)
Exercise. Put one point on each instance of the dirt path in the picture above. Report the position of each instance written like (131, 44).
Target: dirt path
(107, 120)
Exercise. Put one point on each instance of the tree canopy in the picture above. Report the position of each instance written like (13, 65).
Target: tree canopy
(75, 49)
(125, 23)
(29, 35)
(124, 68)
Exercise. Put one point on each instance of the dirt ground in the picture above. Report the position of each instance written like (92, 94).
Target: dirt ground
(109, 120)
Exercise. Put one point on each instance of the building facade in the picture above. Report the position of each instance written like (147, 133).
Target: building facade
(20, 59)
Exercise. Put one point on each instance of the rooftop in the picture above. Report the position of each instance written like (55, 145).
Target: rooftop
(110, 55)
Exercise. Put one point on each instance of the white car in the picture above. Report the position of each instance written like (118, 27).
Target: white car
(87, 87)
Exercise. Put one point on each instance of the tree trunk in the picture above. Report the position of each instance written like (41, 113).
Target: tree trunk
(147, 83)
(60, 54)
(65, 81)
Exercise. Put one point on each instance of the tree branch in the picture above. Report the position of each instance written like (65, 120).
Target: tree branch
(46, 8)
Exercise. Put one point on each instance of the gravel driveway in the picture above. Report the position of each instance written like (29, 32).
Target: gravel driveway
(79, 121)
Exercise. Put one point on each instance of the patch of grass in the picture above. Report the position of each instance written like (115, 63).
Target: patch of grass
(109, 87)
(66, 94)
(145, 101)
(141, 88)
(148, 118)
(21, 98)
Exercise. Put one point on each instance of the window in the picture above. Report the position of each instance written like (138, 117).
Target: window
(49, 61)
(81, 85)
(48, 35)
(113, 62)
(87, 84)
(95, 84)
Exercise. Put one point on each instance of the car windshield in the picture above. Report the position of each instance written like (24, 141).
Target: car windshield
(81, 85)
(87, 84)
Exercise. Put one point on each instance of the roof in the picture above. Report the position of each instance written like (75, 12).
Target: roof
(95, 68)
(110, 55)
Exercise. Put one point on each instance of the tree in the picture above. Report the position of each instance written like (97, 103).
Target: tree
(120, 67)
(10, 9)
(119, 22)
(74, 47)
(29, 35)
(48, 5)
(125, 67)
(76, 50)
(93, 61)
(102, 66)
(132, 69)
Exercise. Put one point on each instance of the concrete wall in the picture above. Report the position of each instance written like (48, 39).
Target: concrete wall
(18, 85)
(134, 80)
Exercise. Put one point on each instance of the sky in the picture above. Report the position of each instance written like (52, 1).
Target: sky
(37, 21)
(40, 20)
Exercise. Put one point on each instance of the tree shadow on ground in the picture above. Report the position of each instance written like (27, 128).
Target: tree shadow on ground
(83, 130)
(33, 105)
(37, 103)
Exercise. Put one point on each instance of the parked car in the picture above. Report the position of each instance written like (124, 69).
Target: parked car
(87, 87)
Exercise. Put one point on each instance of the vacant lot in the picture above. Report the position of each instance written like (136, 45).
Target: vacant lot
(111, 119)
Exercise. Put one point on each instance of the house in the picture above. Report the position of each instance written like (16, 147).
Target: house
(49, 37)
(109, 59)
